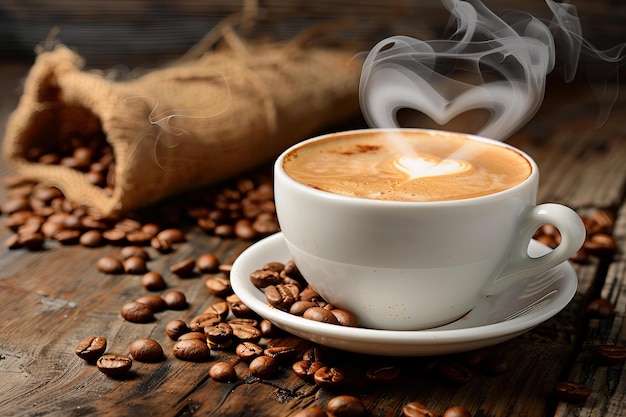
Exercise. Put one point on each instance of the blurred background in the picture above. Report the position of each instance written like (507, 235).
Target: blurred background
(133, 32)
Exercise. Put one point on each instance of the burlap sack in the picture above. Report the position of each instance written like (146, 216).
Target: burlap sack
(179, 127)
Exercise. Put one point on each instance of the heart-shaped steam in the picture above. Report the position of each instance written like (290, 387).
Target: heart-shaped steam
(426, 166)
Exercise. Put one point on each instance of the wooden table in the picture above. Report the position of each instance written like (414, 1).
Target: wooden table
(53, 298)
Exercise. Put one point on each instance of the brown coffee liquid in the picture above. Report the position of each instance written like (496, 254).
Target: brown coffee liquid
(406, 166)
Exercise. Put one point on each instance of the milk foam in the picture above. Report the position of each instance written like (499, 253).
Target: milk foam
(439, 167)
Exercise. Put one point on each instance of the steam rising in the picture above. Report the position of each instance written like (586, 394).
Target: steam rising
(497, 63)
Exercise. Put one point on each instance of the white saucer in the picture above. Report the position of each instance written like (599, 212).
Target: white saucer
(496, 319)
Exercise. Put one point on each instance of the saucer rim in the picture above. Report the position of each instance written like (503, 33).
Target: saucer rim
(397, 342)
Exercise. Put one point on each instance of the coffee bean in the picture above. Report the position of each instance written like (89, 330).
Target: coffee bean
(219, 334)
(153, 281)
(457, 411)
(345, 318)
(601, 221)
(193, 335)
(130, 251)
(137, 312)
(146, 350)
(609, 354)
(221, 309)
(280, 296)
(155, 302)
(199, 323)
(135, 265)
(67, 237)
(263, 366)
(455, 372)
(171, 235)
(223, 372)
(176, 328)
(311, 411)
(150, 229)
(161, 245)
(243, 229)
(110, 265)
(309, 294)
(91, 239)
(114, 236)
(345, 406)
(299, 307)
(320, 314)
(175, 300)
(208, 263)
(193, 350)
(417, 409)
(600, 308)
(91, 348)
(264, 277)
(383, 374)
(114, 364)
(238, 308)
(329, 377)
(600, 244)
(571, 391)
(245, 333)
(274, 267)
(185, 268)
(31, 240)
(268, 329)
(247, 351)
(282, 354)
(218, 286)
(244, 320)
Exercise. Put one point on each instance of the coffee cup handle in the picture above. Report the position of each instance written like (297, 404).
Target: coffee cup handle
(521, 264)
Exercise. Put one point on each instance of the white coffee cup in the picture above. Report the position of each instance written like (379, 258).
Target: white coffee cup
(402, 265)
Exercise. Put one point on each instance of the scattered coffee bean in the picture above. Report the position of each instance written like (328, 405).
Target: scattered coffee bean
(175, 300)
(417, 409)
(130, 251)
(137, 312)
(457, 411)
(263, 366)
(176, 328)
(311, 411)
(600, 244)
(247, 351)
(600, 308)
(320, 314)
(193, 335)
(219, 334)
(238, 308)
(184, 269)
(219, 286)
(346, 406)
(110, 265)
(171, 235)
(135, 265)
(207, 263)
(193, 350)
(609, 354)
(283, 354)
(221, 309)
(223, 372)
(268, 329)
(153, 281)
(91, 348)
(345, 318)
(155, 302)
(245, 332)
(91, 239)
(455, 372)
(329, 377)
(146, 350)
(384, 374)
(265, 277)
(114, 364)
(571, 391)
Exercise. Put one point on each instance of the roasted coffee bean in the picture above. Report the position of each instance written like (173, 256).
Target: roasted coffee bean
(67, 237)
(175, 300)
(130, 251)
(153, 281)
(225, 269)
(263, 367)
(244, 320)
(280, 296)
(184, 269)
(571, 391)
(247, 351)
(137, 237)
(224, 230)
(161, 245)
(171, 235)
(243, 229)
(207, 263)
(193, 335)
(223, 372)
(299, 307)
(13, 242)
(146, 350)
(155, 302)
(345, 406)
(218, 286)
(176, 328)
(417, 409)
(114, 364)
(91, 239)
(455, 372)
(601, 221)
(318, 353)
(198, 323)
(238, 308)
(282, 354)
(221, 309)
(110, 265)
(600, 244)
(114, 236)
(329, 377)
(600, 308)
(305, 369)
(91, 348)
(320, 314)
(311, 411)
(265, 224)
(245, 333)
(457, 411)
(265, 277)
(345, 318)
(274, 266)
(31, 240)
(268, 329)
(609, 354)
(382, 374)
(193, 350)
(150, 229)
(137, 312)
(309, 294)
(135, 265)
(219, 334)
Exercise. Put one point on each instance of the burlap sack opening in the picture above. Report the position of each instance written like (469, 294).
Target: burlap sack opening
(180, 127)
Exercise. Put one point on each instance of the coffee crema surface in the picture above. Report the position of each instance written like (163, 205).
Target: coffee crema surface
(406, 166)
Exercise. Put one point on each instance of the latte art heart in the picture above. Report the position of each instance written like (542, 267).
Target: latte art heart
(428, 166)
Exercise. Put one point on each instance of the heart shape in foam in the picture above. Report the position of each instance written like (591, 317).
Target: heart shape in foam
(428, 166)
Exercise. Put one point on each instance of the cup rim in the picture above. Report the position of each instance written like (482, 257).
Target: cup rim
(279, 170)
